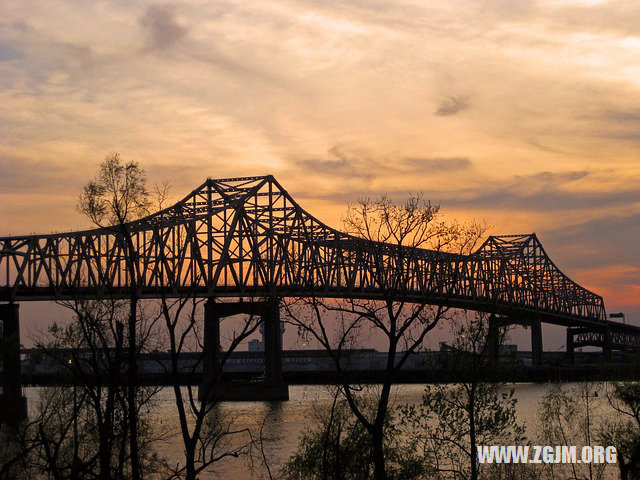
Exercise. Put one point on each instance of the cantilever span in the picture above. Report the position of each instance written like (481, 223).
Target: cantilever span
(248, 237)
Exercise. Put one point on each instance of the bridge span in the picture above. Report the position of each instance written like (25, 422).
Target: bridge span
(248, 238)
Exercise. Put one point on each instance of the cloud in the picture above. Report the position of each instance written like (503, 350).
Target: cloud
(546, 179)
(613, 237)
(341, 162)
(539, 192)
(617, 124)
(161, 26)
(432, 165)
(452, 105)
(7, 52)
(624, 116)
(604, 253)
(338, 99)
(351, 164)
(616, 17)
(546, 191)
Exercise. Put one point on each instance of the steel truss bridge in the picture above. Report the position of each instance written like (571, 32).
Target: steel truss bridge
(247, 237)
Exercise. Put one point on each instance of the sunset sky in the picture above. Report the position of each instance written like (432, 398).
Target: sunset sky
(523, 113)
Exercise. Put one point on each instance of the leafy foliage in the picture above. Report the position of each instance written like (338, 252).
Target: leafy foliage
(339, 447)
(623, 429)
(441, 425)
(570, 416)
(454, 419)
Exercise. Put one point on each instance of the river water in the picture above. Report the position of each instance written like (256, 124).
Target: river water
(287, 421)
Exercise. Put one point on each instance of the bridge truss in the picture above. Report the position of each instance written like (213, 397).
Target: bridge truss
(248, 237)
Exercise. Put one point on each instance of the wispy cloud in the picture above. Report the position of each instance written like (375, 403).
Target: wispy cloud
(348, 165)
(437, 164)
(452, 105)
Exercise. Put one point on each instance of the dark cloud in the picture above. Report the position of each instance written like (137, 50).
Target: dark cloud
(452, 105)
(438, 164)
(8, 52)
(162, 27)
(163, 30)
(546, 178)
(615, 238)
(36, 54)
(624, 116)
(547, 148)
(623, 125)
(241, 71)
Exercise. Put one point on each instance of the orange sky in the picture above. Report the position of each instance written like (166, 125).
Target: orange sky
(523, 113)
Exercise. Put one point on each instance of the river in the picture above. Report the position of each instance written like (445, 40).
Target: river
(287, 421)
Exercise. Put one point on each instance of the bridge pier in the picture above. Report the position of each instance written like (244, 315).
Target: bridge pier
(493, 339)
(493, 336)
(606, 346)
(13, 406)
(272, 388)
(211, 346)
(570, 345)
(272, 346)
(593, 337)
(536, 342)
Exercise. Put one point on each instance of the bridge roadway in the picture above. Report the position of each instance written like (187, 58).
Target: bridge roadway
(247, 238)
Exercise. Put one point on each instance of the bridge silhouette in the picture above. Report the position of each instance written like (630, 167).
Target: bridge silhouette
(248, 238)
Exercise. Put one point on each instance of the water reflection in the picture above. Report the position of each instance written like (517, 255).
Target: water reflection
(275, 426)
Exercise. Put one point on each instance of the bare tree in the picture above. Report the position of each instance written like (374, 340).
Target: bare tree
(397, 233)
(88, 352)
(81, 428)
(114, 198)
(207, 437)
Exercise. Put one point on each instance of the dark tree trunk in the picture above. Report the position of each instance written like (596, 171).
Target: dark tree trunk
(132, 259)
(131, 392)
(190, 461)
(472, 434)
(379, 470)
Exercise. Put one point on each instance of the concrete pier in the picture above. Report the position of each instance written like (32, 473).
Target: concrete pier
(493, 336)
(536, 342)
(272, 387)
(13, 406)
(570, 345)
(493, 339)
(592, 337)
(211, 345)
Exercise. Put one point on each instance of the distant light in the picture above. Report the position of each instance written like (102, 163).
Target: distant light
(69, 361)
